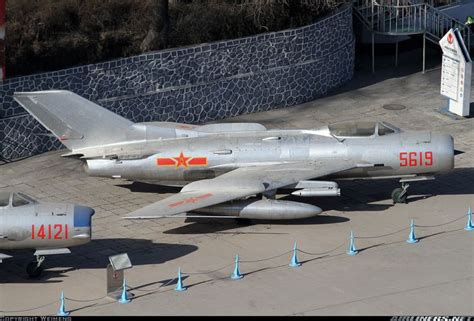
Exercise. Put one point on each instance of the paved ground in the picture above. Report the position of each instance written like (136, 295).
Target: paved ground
(388, 276)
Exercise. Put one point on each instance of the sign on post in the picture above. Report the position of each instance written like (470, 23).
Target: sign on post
(456, 73)
(115, 274)
(114, 282)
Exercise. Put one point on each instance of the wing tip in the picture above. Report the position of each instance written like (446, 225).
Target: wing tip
(40, 92)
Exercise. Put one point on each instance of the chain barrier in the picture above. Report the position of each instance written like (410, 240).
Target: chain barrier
(207, 272)
(154, 290)
(90, 300)
(321, 253)
(455, 220)
(266, 259)
(382, 235)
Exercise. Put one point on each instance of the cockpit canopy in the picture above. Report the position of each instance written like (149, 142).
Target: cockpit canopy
(15, 199)
(362, 129)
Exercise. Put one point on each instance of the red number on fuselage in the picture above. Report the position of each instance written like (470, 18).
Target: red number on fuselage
(41, 232)
(412, 159)
(403, 159)
(57, 229)
(416, 159)
(429, 158)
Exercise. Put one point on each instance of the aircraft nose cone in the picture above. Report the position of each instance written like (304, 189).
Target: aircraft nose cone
(445, 151)
(82, 216)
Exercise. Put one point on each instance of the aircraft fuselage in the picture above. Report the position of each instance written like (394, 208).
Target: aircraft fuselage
(180, 161)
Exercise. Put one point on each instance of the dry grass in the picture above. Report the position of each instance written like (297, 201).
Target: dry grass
(44, 35)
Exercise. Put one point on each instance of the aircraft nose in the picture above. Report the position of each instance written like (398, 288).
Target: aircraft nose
(446, 151)
(82, 216)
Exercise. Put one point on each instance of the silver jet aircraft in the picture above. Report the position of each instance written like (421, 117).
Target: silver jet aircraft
(49, 228)
(235, 169)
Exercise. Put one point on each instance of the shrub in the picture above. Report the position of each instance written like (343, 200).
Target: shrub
(44, 35)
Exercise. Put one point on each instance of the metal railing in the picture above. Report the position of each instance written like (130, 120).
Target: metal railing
(399, 19)
(405, 17)
(438, 23)
(408, 17)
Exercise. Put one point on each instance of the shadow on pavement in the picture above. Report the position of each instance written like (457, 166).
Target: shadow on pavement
(150, 188)
(217, 226)
(94, 255)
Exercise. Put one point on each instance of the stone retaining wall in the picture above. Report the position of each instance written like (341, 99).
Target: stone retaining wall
(194, 84)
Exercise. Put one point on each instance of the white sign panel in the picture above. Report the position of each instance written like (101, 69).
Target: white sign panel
(456, 73)
(450, 78)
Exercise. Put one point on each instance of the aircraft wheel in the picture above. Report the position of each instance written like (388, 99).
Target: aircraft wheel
(33, 270)
(398, 196)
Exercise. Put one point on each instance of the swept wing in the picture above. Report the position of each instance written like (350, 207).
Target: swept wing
(239, 183)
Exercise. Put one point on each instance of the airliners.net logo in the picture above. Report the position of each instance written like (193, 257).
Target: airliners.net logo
(431, 318)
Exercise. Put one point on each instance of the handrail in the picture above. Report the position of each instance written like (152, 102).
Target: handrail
(399, 19)
(440, 23)
(408, 17)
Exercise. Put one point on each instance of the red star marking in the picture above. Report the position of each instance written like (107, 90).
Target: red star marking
(181, 160)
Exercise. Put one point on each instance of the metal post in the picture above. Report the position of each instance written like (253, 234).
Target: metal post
(424, 51)
(468, 39)
(424, 40)
(373, 53)
(396, 53)
(373, 40)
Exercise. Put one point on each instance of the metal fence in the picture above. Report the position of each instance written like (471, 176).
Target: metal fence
(403, 17)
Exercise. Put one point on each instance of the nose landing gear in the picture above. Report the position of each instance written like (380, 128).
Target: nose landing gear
(400, 194)
(34, 268)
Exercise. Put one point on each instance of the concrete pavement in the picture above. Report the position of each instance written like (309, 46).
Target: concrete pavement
(388, 276)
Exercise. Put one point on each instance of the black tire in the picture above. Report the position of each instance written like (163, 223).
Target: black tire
(397, 197)
(33, 270)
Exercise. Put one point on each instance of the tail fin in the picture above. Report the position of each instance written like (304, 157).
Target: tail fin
(75, 121)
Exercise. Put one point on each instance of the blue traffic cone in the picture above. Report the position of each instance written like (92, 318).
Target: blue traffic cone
(124, 298)
(469, 225)
(294, 260)
(179, 284)
(62, 312)
(412, 238)
(352, 248)
(236, 275)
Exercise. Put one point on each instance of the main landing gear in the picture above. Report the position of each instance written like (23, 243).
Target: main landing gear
(400, 194)
(34, 268)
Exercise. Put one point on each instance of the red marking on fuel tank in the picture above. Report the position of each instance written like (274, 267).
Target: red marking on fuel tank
(190, 200)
